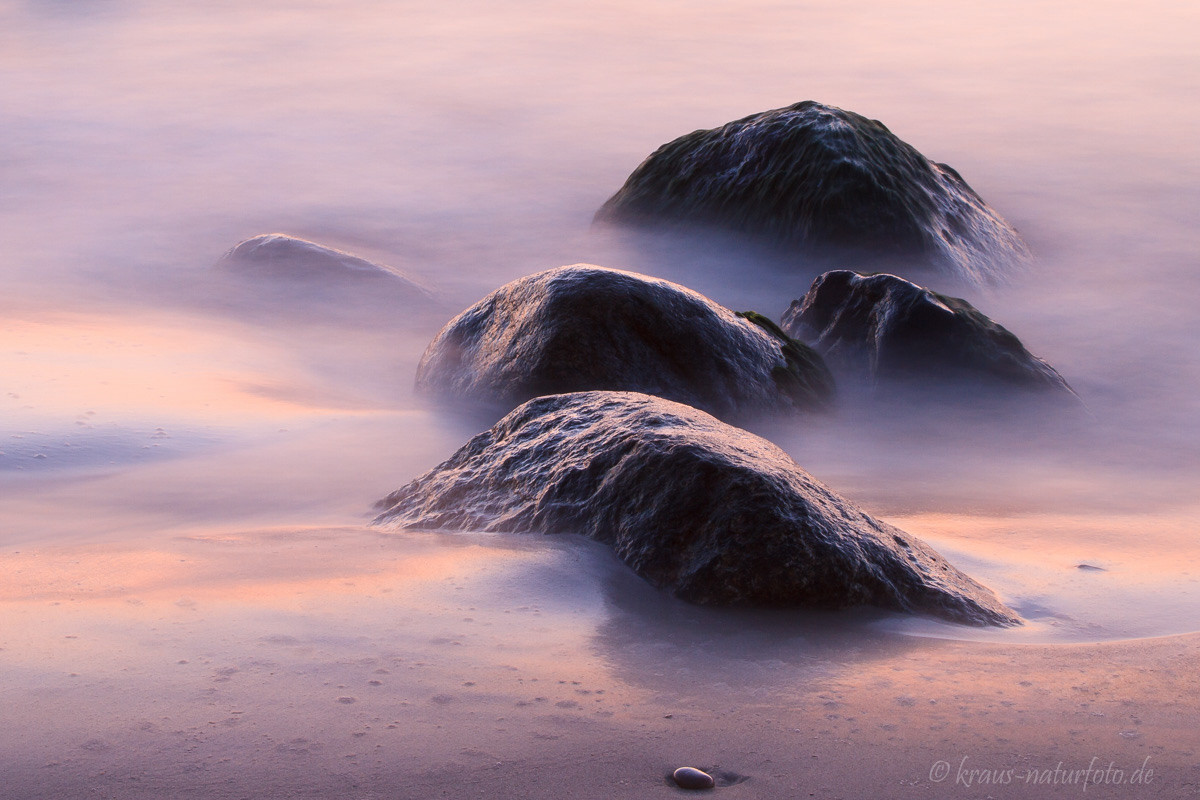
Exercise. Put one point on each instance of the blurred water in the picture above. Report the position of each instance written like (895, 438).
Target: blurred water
(469, 143)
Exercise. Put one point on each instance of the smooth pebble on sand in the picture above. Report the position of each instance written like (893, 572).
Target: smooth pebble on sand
(692, 778)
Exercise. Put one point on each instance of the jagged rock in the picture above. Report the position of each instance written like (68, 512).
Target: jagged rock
(279, 256)
(710, 512)
(825, 182)
(885, 327)
(582, 327)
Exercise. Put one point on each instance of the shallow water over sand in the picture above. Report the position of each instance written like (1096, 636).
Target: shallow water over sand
(329, 661)
(187, 462)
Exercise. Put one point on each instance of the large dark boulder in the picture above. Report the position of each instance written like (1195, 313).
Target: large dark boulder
(582, 327)
(825, 182)
(884, 327)
(712, 513)
(278, 256)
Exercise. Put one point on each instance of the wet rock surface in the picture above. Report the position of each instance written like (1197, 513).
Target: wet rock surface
(279, 256)
(884, 327)
(582, 327)
(825, 182)
(709, 512)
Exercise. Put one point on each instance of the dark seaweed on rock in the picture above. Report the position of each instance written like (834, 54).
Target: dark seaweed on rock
(888, 328)
(582, 327)
(710, 512)
(823, 181)
(803, 376)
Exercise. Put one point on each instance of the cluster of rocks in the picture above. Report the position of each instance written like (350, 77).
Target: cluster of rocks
(619, 388)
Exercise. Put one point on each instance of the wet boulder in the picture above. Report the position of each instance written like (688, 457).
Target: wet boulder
(709, 512)
(278, 256)
(821, 181)
(882, 327)
(582, 327)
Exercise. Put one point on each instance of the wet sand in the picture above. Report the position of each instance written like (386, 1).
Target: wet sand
(346, 662)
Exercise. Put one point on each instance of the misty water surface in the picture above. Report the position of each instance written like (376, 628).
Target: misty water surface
(146, 397)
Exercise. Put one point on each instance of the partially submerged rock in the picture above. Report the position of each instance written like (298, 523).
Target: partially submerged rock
(822, 181)
(710, 512)
(884, 327)
(279, 256)
(582, 327)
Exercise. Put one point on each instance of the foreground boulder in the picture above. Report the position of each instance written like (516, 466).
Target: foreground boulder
(581, 327)
(710, 512)
(279, 256)
(884, 327)
(825, 182)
